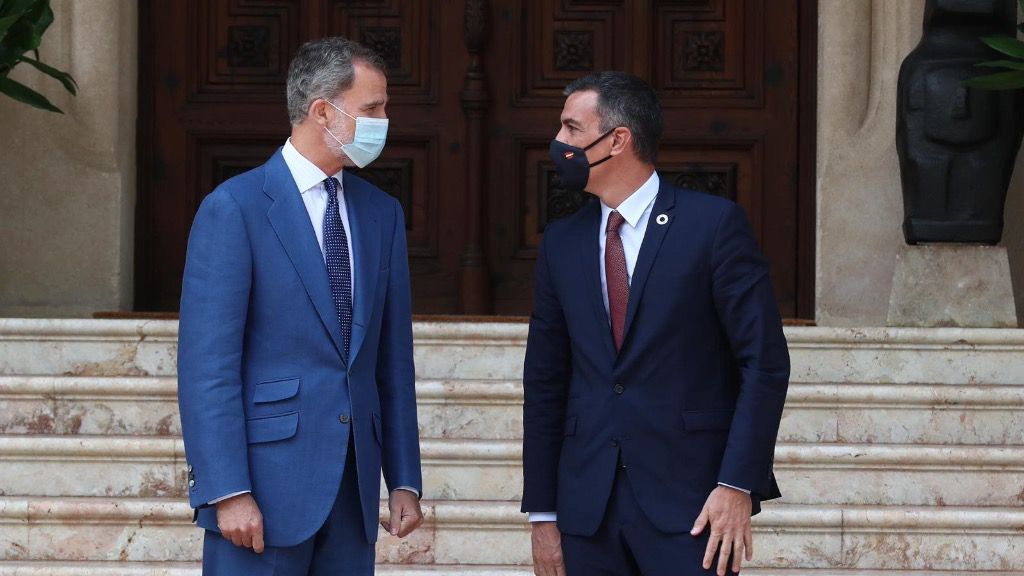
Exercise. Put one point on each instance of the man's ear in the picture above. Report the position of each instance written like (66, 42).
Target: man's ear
(622, 139)
(318, 112)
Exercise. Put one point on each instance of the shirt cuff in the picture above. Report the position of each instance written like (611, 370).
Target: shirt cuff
(744, 490)
(543, 517)
(409, 489)
(222, 498)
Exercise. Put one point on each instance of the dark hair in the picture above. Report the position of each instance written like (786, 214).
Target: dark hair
(323, 68)
(626, 100)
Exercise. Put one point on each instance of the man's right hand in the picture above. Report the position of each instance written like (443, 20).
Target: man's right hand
(547, 550)
(239, 520)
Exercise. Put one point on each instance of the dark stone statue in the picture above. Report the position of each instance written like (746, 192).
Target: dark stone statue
(956, 145)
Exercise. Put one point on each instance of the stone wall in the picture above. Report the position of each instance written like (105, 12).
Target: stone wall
(67, 182)
(860, 209)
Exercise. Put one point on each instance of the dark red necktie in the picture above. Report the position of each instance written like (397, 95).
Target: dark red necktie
(616, 276)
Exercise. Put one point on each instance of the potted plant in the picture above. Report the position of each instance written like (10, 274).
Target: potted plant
(1012, 77)
(22, 23)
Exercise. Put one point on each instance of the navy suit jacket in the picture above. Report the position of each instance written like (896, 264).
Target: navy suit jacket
(267, 399)
(696, 393)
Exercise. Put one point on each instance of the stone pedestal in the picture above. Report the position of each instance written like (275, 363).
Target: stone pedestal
(949, 285)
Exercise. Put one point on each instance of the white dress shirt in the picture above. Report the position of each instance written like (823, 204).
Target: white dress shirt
(309, 179)
(636, 210)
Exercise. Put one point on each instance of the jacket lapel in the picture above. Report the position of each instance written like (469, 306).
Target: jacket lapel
(366, 247)
(653, 238)
(588, 248)
(290, 220)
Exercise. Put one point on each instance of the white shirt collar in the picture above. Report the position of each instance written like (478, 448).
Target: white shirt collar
(306, 174)
(633, 207)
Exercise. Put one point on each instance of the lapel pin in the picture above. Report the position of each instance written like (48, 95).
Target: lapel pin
(662, 219)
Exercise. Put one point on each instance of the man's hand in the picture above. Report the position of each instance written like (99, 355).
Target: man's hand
(406, 514)
(547, 550)
(239, 520)
(728, 511)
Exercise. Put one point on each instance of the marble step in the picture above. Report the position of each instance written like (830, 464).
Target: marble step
(490, 533)
(479, 409)
(494, 350)
(193, 569)
(491, 470)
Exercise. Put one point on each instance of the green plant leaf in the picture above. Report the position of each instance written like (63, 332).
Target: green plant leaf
(23, 93)
(69, 83)
(1002, 81)
(8, 7)
(1011, 64)
(27, 33)
(6, 22)
(1006, 45)
(11, 13)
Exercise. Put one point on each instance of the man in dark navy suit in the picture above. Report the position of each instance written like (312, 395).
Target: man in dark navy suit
(656, 366)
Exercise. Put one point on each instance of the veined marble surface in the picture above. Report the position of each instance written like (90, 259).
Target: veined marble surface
(486, 351)
(900, 449)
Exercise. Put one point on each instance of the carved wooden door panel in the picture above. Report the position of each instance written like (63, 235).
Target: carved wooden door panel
(476, 93)
(727, 72)
(212, 105)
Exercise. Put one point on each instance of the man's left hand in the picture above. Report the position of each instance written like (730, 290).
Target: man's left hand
(728, 512)
(406, 514)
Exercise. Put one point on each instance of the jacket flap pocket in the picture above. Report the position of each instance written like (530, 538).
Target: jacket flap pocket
(570, 426)
(276, 390)
(271, 428)
(707, 420)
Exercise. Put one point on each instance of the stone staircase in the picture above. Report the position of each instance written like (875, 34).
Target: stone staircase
(901, 451)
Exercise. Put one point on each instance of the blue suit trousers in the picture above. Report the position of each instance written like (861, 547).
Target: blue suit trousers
(338, 548)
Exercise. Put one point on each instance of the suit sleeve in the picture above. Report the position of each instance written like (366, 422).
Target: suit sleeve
(546, 376)
(396, 375)
(745, 303)
(214, 303)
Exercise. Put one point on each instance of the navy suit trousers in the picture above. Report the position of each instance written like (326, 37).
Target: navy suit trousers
(627, 544)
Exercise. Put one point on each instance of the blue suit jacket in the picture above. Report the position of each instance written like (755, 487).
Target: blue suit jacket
(695, 395)
(262, 383)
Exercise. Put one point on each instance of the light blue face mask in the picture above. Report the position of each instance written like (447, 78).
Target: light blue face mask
(369, 138)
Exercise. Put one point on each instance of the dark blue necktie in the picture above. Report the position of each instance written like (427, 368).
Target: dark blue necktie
(339, 269)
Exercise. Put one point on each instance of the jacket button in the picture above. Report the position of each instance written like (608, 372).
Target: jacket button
(189, 468)
(619, 389)
(615, 443)
(191, 483)
(344, 418)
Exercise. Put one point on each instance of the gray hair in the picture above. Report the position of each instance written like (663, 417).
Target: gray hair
(322, 69)
(626, 100)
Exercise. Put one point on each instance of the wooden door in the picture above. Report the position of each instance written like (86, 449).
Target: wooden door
(728, 75)
(476, 93)
(212, 105)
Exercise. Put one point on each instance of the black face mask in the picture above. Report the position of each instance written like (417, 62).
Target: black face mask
(571, 162)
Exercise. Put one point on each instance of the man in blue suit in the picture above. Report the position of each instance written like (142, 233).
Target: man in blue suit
(295, 370)
(656, 366)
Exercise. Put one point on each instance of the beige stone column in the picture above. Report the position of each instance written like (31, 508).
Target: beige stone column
(861, 46)
(860, 208)
(67, 182)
